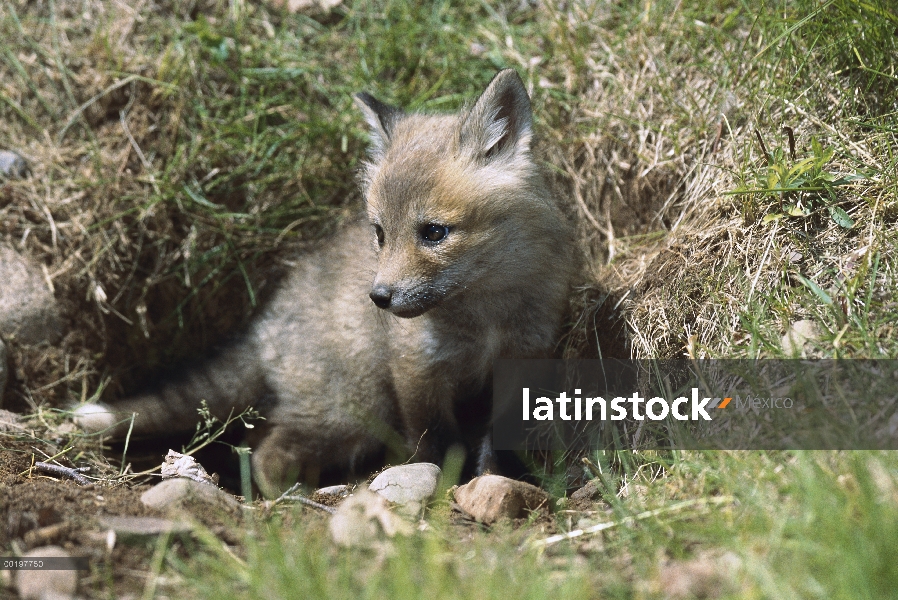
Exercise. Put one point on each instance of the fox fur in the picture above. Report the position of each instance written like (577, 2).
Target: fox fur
(463, 257)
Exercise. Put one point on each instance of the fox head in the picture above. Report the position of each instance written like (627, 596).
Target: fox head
(452, 199)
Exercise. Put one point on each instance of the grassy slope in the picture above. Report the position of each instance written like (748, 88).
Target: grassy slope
(247, 134)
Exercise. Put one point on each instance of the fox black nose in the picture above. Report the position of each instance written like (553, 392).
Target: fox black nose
(381, 295)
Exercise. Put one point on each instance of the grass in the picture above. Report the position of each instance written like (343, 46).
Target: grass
(803, 525)
(731, 170)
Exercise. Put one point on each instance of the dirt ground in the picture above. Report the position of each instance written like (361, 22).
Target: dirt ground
(38, 510)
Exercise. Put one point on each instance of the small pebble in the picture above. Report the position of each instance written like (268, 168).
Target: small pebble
(41, 584)
(12, 165)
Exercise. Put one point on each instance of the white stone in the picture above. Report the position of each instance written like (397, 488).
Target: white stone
(181, 492)
(365, 520)
(407, 484)
(12, 165)
(799, 333)
(46, 584)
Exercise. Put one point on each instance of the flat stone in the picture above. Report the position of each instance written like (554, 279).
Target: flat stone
(28, 312)
(705, 576)
(489, 498)
(590, 491)
(412, 484)
(142, 527)
(337, 491)
(12, 165)
(10, 421)
(365, 520)
(186, 494)
(183, 465)
(799, 333)
(46, 584)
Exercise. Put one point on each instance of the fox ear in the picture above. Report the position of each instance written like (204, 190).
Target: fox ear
(381, 118)
(501, 121)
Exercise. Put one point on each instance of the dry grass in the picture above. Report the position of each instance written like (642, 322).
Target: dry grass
(663, 127)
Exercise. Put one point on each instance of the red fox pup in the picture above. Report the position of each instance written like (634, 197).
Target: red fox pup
(463, 257)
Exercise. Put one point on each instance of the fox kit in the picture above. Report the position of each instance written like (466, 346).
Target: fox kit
(463, 258)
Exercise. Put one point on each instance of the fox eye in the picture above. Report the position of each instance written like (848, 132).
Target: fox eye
(434, 233)
(379, 232)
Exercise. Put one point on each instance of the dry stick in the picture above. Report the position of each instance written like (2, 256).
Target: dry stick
(312, 503)
(302, 500)
(630, 520)
(60, 471)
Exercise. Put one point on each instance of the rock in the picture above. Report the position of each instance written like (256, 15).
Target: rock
(365, 520)
(489, 498)
(308, 7)
(12, 165)
(702, 577)
(800, 333)
(181, 493)
(409, 486)
(590, 491)
(140, 528)
(46, 584)
(183, 465)
(10, 421)
(28, 311)
(335, 491)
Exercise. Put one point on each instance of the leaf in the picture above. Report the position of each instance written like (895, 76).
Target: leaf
(800, 168)
(840, 217)
(847, 178)
(816, 289)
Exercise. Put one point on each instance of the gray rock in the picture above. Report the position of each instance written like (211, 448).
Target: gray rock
(10, 421)
(142, 527)
(183, 465)
(28, 312)
(337, 491)
(408, 485)
(590, 491)
(46, 584)
(186, 494)
(12, 165)
(365, 520)
(489, 498)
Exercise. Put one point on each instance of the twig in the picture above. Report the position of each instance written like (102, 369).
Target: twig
(287, 496)
(60, 471)
(630, 520)
(312, 503)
